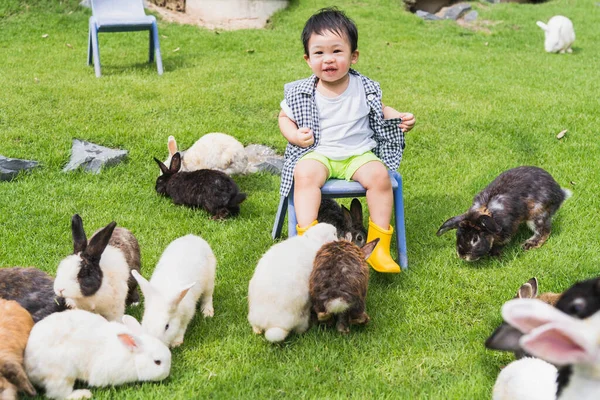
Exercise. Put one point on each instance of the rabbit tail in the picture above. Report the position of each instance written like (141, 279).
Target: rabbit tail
(337, 306)
(276, 334)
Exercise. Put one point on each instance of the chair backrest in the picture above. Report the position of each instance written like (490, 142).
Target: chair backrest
(118, 8)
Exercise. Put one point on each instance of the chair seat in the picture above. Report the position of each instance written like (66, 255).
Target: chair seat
(123, 22)
(340, 188)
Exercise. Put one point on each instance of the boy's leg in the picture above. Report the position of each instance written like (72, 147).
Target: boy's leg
(309, 176)
(380, 199)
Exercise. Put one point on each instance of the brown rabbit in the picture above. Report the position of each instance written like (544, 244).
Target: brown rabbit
(15, 325)
(338, 283)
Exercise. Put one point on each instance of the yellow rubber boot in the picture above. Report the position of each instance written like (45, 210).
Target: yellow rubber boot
(302, 230)
(380, 259)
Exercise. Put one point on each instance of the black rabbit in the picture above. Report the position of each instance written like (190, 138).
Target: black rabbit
(349, 223)
(522, 194)
(211, 190)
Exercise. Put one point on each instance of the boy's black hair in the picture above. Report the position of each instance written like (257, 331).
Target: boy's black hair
(333, 20)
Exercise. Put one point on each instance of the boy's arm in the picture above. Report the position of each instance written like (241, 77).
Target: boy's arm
(408, 119)
(301, 137)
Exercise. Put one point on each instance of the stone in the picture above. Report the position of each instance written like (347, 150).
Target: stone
(427, 16)
(10, 167)
(93, 157)
(471, 16)
(86, 3)
(456, 11)
(263, 158)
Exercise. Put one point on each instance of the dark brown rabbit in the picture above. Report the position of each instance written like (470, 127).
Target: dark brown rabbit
(32, 289)
(338, 283)
(522, 194)
(349, 223)
(212, 190)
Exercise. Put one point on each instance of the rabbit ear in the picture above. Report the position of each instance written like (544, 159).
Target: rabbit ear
(132, 343)
(133, 324)
(451, 223)
(172, 145)
(79, 238)
(356, 212)
(561, 344)
(489, 224)
(15, 374)
(163, 167)
(368, 248)
(175, 302)
(542, 25)
(347, 216)
(528, 314)
(526, 291)
(175, 163)
(99, 241)
(505, 337)
(146, 286)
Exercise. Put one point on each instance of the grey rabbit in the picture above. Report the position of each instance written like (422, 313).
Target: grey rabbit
(349, 223)
(32, 289)
(212, 190)
(522, 194)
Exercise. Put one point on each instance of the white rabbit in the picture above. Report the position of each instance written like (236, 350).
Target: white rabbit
(184, 274)
(278, 294)
(212, 151)
(560, 34)
(77, 344)
(526, 379)
(96, 276)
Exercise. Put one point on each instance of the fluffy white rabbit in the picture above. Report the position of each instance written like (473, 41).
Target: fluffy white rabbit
(77, 344)
(560, 34)
(184, 274)
(526, 379)
(212, 151)
(96, 276)
(278, 294)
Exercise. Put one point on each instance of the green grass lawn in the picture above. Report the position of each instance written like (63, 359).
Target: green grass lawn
(484, 102)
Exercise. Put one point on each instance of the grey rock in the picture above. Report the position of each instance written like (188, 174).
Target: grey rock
(93, 157)
(86, 3)
(471, 16)
(456, 11)
(427, 16)
(10, 167)
(271, 165)
(263, 158)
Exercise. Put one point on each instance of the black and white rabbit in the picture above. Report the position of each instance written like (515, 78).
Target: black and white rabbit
(96, 277)
(32, 289)
(349, 223)
(522, 194)
(211, 190)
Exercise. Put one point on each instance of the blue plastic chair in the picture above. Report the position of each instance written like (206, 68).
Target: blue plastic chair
(338, 188)
(121, 16)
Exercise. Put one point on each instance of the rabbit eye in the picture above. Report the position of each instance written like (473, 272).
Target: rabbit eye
(474, 240)
(166, 327)
(577, 307)
(157, 362)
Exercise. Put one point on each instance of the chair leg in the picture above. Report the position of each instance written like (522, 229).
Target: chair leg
(89, 61)
(95, 48)
(159, 65)
(279, 218)
(292, 221)
(400, 226)
(151, 45)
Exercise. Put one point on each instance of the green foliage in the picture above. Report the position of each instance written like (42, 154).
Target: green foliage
(486, 100)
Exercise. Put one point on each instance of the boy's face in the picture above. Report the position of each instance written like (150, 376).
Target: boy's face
(330, 56)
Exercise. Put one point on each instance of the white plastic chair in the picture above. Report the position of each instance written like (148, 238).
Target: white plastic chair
(121, 16)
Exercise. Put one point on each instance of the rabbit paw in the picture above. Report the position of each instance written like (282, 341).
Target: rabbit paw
(257, 330)
(208, 311)
(324, 316)
(362, 319)
(80, 394)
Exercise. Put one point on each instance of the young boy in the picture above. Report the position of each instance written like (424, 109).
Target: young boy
(337, 127)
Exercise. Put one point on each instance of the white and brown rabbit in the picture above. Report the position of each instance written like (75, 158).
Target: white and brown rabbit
(278, 296)
(212, 190)
(96, 277)
(522, 194)
(79, 345)
(339, 281)
(184, 274)
(217, 151)
(15, 325)
(349, 223)
(32, 289)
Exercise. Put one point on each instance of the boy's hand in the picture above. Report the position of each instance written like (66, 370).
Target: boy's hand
(408, 122)
(304, 137)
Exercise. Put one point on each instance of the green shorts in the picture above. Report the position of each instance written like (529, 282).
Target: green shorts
(342, 169)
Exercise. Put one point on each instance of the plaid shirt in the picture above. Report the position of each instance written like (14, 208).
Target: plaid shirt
(300, 97)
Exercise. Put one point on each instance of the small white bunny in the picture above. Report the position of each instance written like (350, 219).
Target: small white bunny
(526, 379)
(77, 344)
(212, 151)
(184, 274)
(560, 34)
(278, 294)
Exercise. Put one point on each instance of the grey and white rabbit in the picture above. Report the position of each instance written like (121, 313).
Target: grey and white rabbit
(523, 194)
(96, 277)
(559, 34)
(349, 223)
(339, 281)
(79, 345)
(212, 190)
(32, 289)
